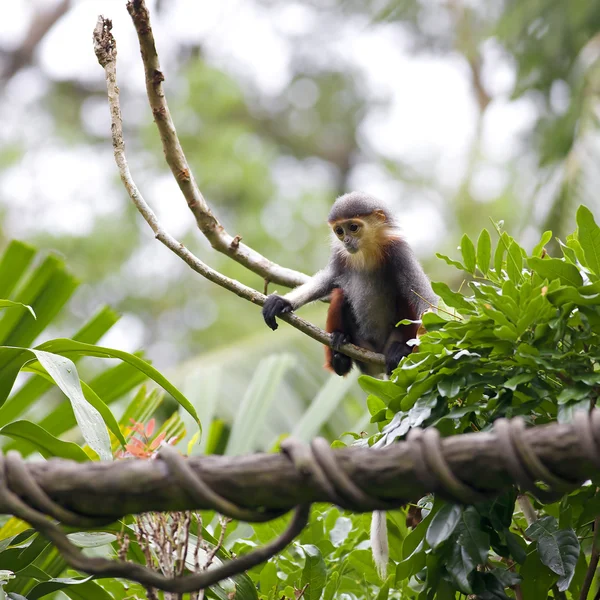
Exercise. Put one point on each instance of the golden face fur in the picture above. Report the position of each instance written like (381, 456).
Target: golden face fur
(362, 240)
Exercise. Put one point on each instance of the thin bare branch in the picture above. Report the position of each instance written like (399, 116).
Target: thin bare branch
(40, 25)
(206, 220)
(106, 52)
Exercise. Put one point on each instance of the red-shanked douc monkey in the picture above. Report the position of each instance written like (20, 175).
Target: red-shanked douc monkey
(374, 280)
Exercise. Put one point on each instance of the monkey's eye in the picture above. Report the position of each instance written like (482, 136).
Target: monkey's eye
(354, 227)
(339, 231)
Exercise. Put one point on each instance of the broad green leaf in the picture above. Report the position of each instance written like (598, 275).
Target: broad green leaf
(514, 262)
(92, 398)
(13, 265)
(558, 548)
(314, 573)
(553, 268)
(468, 253)
(451, 298)
(65, 346)
(443, 524)
(475, 541)
(501, 248)
(257, 401)
(91, 539)
(514, 382)
(384, 390)
(79, 588)
(47, 445)
(537, 251)
(449, 387)
(268, 579)
(460, 566)
(46, 295)
(35, 387)
(362, 562)
(90, 422)
(449, 261)
(11, 304)
(484, 251)
(330, 591)
(536, 577)
(588, 235)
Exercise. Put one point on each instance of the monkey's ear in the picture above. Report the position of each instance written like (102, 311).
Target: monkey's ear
(380, 214)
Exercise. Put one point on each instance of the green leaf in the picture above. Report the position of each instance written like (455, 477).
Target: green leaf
(460, 565)
(90, 422)
(536, 577)
(588, 235)
(78, 588)
(514, 262)
(558, 548)
(35, 387)
(574, 392)
(450, 387)
(468, 253)
(451, 298)
(13, 264)
(475, 541)
(331, 588)
(47, 445)
(92, 398)
(546, 237)
(385, 390)
(410, 566)
(443, 524)
(484, 251)
(65, 346)
(516, 546)
(11, 304)
(514, 382)
(314, 573)
(449, 261)
(553, 268)
(268, 579)
(91, 539)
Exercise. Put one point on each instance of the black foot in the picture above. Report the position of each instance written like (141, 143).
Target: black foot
(338, 339)
(274, 306)
(396, 352)
(341, 363)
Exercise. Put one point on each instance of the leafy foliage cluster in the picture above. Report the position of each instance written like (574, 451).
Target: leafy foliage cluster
(524, 342)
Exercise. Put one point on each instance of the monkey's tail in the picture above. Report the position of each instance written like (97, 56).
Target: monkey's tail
(379, 542)
(335, 361)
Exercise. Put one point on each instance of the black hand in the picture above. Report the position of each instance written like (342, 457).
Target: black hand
(274, 306)
(396, 352)
(338, 338)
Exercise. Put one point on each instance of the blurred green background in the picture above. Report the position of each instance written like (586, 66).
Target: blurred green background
(453, 112)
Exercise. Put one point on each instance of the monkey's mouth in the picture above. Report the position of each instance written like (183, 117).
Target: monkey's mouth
(352, 249)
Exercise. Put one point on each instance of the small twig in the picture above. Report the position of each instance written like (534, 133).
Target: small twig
(224, 522)
(594, 557)
(302, 591)
(106, 52)
(207, 223)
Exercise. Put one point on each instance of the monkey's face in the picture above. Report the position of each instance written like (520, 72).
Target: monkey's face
(349, 233)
